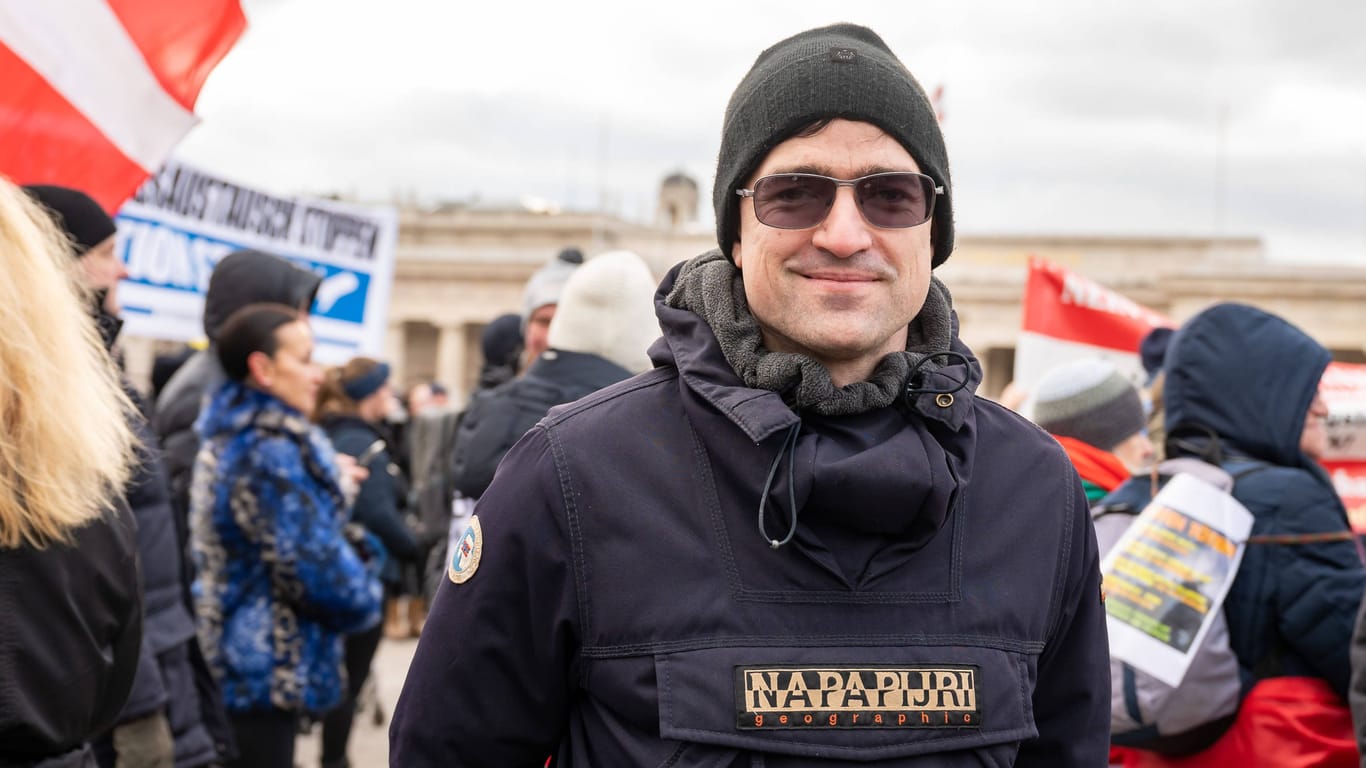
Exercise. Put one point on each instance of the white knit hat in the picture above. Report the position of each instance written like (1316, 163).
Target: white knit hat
(607, 309)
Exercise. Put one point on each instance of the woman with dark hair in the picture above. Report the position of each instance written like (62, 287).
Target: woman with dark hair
(352, 404)
(277, 584)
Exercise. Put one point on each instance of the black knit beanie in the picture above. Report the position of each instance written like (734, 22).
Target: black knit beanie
(840, 71)
(83, 220)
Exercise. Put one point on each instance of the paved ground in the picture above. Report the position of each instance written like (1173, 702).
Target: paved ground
(369, 739)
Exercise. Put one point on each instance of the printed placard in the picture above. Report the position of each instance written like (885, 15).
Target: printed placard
(1167, 576)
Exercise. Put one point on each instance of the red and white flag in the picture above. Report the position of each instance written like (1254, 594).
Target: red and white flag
(96, 93)
(1068, 316)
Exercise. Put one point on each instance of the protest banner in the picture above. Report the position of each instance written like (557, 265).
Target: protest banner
(1167, 576)
(1067, 316)
(182, 221)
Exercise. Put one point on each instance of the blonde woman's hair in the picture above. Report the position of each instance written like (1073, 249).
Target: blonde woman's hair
(65, 440)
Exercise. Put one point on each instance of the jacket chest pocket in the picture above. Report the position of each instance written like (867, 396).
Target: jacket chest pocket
(794, 706)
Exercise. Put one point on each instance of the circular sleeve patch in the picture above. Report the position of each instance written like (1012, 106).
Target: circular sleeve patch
(465, 557)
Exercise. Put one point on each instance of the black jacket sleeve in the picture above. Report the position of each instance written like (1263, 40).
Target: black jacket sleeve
(493, 676)
(1316, 587)
(1072, 697)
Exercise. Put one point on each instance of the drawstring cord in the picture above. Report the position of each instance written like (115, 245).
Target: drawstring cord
(789, 447)
(912, 390)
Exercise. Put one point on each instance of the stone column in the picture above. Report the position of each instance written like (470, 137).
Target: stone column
(450, 359)
(395, 345)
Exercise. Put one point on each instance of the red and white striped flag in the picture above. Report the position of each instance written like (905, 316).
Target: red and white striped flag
(95, 94)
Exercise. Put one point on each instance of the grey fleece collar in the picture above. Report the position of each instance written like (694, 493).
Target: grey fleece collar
(711, 287)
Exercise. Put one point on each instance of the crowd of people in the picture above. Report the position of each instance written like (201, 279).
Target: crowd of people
(755, 513)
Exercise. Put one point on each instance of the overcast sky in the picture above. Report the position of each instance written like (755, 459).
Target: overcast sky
(1060, 117)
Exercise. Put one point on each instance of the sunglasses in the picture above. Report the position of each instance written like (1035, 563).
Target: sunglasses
(894, 200)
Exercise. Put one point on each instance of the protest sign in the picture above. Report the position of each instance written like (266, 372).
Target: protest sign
(182, 221)
(1166, 577)
(1343, 388)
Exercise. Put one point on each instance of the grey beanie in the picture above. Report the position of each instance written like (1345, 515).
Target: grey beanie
(546, 285)
(1089, 400)
(840, 71)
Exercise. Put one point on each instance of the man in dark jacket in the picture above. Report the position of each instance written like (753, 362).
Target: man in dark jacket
(241, 278)
(1241, 390)
(602, 327)
(168, 719)
(801, 539)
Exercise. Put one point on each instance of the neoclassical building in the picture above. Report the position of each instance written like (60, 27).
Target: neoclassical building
(460, 266)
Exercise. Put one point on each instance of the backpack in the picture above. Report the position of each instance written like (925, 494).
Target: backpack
(1145, 712)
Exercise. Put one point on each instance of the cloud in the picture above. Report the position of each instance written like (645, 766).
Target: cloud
(1062, 115)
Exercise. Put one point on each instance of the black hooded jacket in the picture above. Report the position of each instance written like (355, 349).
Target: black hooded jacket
(497, 418)
(613, 602)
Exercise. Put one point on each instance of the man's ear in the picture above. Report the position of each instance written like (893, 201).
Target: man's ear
(736, 254)
(261, 369)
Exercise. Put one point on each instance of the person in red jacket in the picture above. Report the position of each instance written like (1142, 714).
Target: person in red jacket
(1097, 416)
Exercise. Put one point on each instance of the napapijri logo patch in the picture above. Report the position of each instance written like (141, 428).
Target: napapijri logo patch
(874, 696)
(843, 55)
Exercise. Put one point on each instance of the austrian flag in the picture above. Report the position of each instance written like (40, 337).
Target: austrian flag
(96, 93)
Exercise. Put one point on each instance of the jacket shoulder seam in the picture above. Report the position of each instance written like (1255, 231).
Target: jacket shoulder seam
(605, 395)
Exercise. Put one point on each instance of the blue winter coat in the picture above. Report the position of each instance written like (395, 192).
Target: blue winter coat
(276, 583)
(939, 604)
(1249, 377)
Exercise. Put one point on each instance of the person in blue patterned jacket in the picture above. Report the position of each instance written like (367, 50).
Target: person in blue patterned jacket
(278, 584)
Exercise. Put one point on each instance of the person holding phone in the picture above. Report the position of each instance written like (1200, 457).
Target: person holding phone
(352, 403)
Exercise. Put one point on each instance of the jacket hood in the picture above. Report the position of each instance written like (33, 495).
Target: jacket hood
(1247, 375)
(251, 277)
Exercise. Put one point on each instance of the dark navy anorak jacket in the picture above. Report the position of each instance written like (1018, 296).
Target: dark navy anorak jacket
(939, 604)
(1249, 378)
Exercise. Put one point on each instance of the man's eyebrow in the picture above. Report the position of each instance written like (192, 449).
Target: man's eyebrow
(867, 170)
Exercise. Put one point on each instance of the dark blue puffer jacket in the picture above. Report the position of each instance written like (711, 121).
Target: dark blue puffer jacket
(1249, 377)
